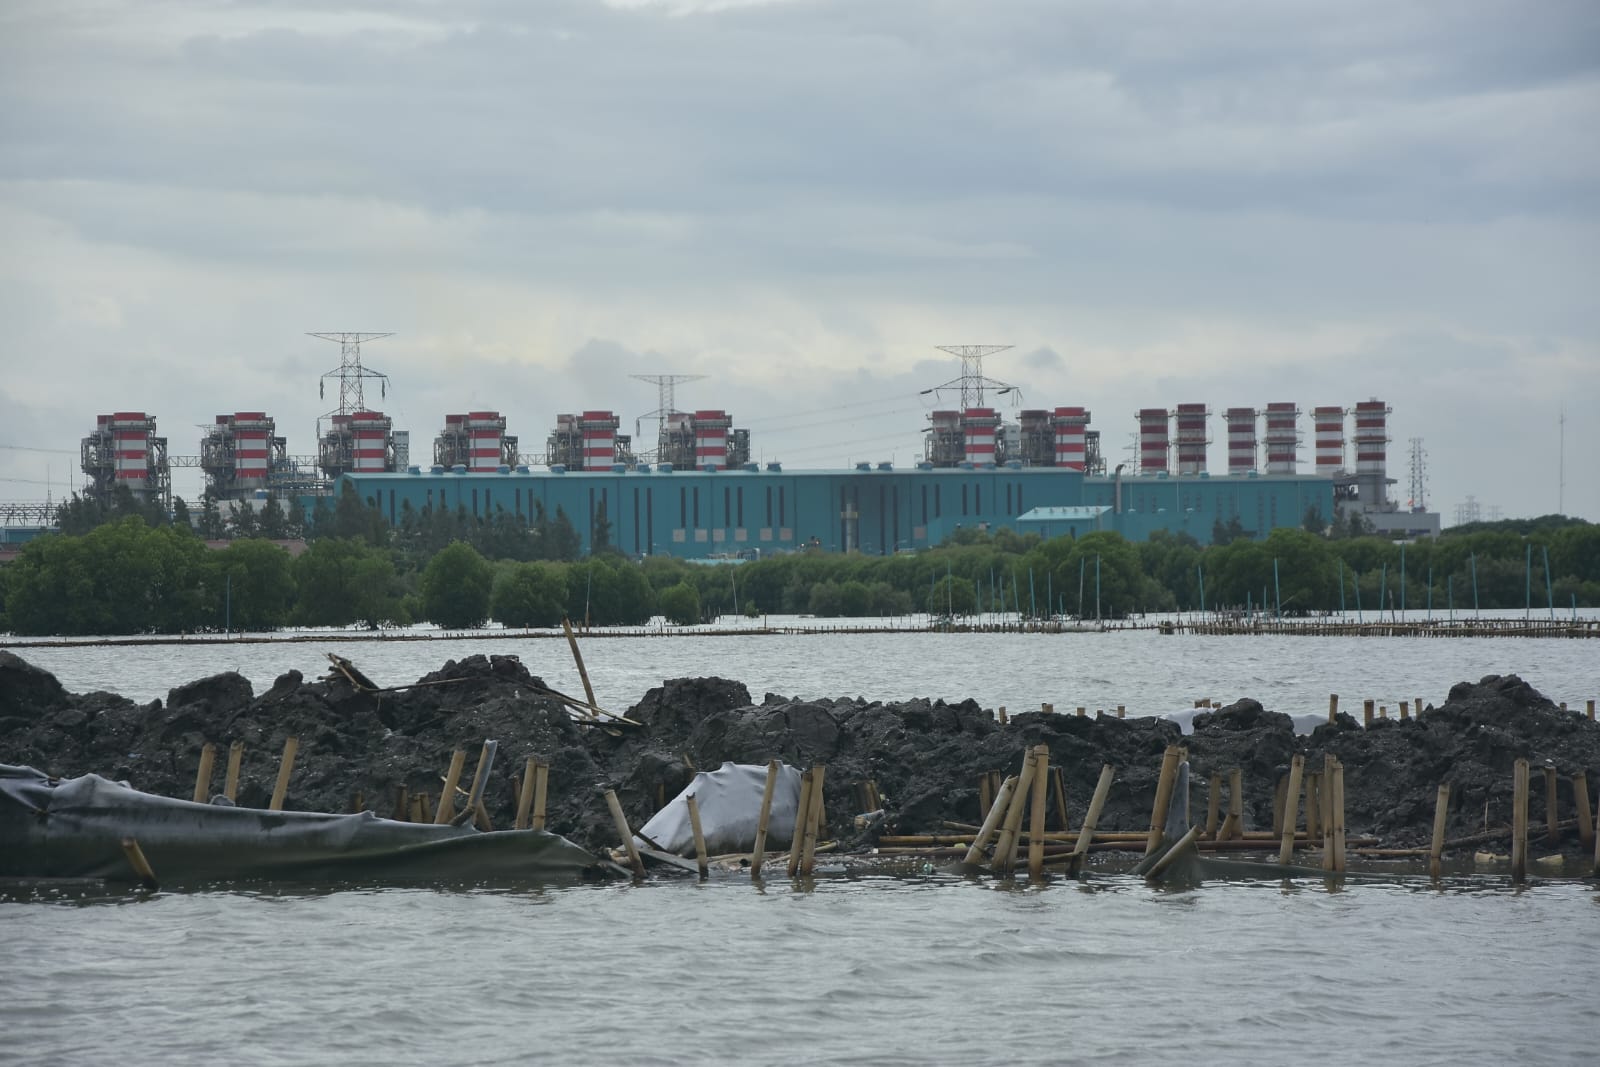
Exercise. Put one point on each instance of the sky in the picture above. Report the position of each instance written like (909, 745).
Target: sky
(1235, 202)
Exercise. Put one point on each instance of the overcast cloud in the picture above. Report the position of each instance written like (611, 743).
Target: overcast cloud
(1155, 202)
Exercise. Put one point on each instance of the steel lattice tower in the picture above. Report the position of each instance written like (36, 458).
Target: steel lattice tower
(351, 374)
(1419, 475)
(666, 388)
(972, 382)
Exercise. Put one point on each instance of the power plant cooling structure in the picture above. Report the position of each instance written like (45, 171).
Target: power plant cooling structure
(1282, 437)
(1372, 452)
(1191, 437)
(476, 441)
(1241, 439)
(239, 454)
(1329, 422)
(979, 428)
(123, 450)
(1153, 444)
(361, 442)
(1072, 431)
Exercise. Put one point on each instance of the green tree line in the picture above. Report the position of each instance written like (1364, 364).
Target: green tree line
(133, 572)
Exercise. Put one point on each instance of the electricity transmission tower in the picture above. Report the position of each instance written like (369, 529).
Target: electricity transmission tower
(666, 388)
(351, 374)
(972, 382)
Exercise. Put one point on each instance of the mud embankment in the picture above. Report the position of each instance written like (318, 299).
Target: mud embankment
(926, 757)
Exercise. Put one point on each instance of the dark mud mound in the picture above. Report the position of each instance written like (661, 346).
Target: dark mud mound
(925, 757)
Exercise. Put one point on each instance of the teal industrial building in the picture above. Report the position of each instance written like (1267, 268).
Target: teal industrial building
(756, 511)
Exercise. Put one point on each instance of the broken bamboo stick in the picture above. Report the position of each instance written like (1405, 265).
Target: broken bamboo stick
(1039, 802)
(541, 789)
(291, 745)
(202, 774)
(1097, 803)
(1291, 808)
(699, 837)
(1441, 810)
(997, 810)
(452, 781)
(621, 822)
(758, 853)
(230, 784)
(1005, 848)
(1164, 786)
(814, 822)
(577, 657)
(141, 865)
(530, 771)
(801, 811)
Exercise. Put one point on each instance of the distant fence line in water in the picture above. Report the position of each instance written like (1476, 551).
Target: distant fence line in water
(1205, 625)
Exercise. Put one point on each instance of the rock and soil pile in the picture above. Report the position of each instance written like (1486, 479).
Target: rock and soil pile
(926, 757)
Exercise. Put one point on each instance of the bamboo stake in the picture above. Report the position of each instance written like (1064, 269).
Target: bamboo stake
(452, 779)
(699, 838)
(1172, 853)
(1002, 715)
(1058, 788)
(402, 803)
(1326, 800)
(1164, 785)
(1314, 805)
(1096, 804)
(819, 775)
(291, 745)
(202, 774)
(1122, 711)
(140, 865)
(1005, 849)
(541, 789)
(1039, 802)
(530, 771)
(577, 657)
(1333, 707)
(425, 807)
(1291, 810)
(758, 853)
(1366, 711)
(1590, 711)
(621, 821)
(475, 791)
(1580, 796)
(1552, 821)
(1338, 816)
(1405, 709)
(1416, 703)
(1519, 822)
(1213, 804)
(415, 814)
(1280, 794)
(230, 784)
(801, 813)
(997, 810)
(985, 790)
(1441, 809)
(1233, 825)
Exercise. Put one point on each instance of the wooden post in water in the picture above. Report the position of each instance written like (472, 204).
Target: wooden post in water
(530, 772)
(1366, 711)
(1333, 707)
(699, 838)
(230, 784)
(758, 853)
(626, 834)
(1416, 704)
(452, 779)
(1122, 711)
(1005, 848)
(1291, 810)
(1002, 714)
(1519, 822)
(1441, 809)
(801, 813)
(1338, 816)
(1040, 803)
(808, 857)
(1213, 804)
(291, 745)
(1590, 711)
(202, 774)
(140, 865)
(997, 811)
(1164, 785)
(1082, 711)
(1551, 822)
(1405, 710)
(1233, 825)
(1327, 812)
(541, 789)
(1280, 798)
(577, 657)
(1580, 797)
(1058, 790)
(1097, 803)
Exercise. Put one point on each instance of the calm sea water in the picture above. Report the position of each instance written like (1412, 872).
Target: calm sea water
(845, 969)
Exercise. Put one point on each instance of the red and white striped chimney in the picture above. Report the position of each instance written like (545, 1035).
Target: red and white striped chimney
(130, 435)
(1329, 423)
(1191, 437)
(1071, 429)
(1241, 439)
(1153, 442)
(1372, 437)
(599, 439)
(978, 427)
(711, 439)
(252, 436)
(1282, 437)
